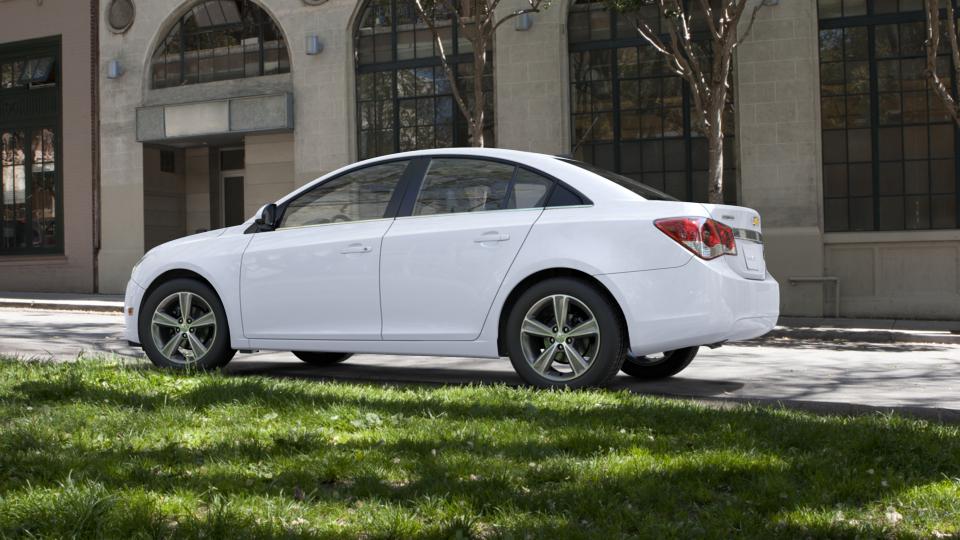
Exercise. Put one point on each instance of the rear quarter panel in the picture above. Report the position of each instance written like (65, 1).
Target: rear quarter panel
(605, 238)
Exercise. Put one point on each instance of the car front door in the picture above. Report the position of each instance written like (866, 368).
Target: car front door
(443, 263)
(317, 275)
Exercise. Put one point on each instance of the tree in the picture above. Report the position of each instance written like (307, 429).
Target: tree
(932, 45)
(477, 22)
(704, 64)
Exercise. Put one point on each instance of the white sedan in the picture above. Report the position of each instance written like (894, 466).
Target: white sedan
(572, 272)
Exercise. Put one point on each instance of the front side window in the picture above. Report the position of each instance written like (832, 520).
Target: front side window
(404, 99)
(889, 145)
(30, 217)
(355, 196)
(218, 40)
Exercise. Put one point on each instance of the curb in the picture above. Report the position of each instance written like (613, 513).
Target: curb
(862, 336)
(63, 306)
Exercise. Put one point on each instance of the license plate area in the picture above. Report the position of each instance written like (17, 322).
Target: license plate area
(752, 255)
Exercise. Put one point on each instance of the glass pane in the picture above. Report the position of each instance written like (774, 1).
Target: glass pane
(891, 144)
(943, 211)
(530, 190)
(858, 144)
(915, 142)
(830, 8)
(355, 196)
(44, 189)
(861, 214)
(942, 176)
(454, 185)
(855, 43)
(854, 7)
(861, 179)
(941, 141)
(835, 215)
(891, 178)
(891, 213)
(831, 45)
(13, 180)
(834, 146)
(835, 180)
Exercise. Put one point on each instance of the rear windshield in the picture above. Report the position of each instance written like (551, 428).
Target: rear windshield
(635, 186)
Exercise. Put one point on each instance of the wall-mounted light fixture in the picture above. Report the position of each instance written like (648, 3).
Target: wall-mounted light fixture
(114, 69)
(524, 22)
(313, 45)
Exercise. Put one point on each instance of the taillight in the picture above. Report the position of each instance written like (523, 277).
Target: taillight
(706, 238)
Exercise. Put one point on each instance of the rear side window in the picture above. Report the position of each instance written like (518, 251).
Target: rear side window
(457, 185)
(355, 196)
(563, 196)
(530, 190)
(635, 186)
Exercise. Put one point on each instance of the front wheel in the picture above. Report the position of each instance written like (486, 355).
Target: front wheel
(321, 358)
(659, 366)
(565, 333)
(183, 325)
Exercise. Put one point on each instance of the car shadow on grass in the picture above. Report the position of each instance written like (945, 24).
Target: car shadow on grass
(550, 464)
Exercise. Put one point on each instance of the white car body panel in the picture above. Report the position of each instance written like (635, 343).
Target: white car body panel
(326, 275)
(669, 298)
(439, 274)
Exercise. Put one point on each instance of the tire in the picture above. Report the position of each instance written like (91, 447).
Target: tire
(598, 355)
(207, 327)
(322, 358)
(673, 362)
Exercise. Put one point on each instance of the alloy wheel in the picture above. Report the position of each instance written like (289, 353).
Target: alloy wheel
(560, 337)
(183, 327)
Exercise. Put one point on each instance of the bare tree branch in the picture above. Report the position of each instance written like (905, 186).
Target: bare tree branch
(451, 77)
(933, 47)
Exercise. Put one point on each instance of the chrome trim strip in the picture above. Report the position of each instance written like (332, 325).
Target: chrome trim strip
(749, 235)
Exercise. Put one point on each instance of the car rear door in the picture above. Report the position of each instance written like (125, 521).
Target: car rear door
(317, 275)
(447, 253)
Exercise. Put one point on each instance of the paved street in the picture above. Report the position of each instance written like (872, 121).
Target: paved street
(813, 373)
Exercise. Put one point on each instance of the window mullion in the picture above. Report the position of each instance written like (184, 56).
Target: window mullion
(874, 124)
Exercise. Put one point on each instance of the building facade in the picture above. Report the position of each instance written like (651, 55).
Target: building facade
(48, 152)
(210, 108)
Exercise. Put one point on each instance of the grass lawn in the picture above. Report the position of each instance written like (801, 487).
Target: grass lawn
(105, 449)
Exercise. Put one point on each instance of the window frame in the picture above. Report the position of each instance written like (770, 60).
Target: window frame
(393, 67)
(23, 50)
(871, 21)
(263, 18)
(613, 44)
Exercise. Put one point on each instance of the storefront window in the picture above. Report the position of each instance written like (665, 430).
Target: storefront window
(404, 99)
(629, 113)
(218, 40)
(889, 145)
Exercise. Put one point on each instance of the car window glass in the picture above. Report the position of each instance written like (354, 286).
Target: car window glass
(635, 186)
(563, 196)
(529, 190)
(455, 185)
(354, 196)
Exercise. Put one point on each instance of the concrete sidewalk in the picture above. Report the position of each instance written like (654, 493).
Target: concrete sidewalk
(792, 328)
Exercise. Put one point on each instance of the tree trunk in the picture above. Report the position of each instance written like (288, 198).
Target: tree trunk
(476, 122)
(715, 153)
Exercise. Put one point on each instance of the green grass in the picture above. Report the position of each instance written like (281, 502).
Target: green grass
(104, 449)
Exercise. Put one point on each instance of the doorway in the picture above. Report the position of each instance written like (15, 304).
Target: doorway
(232, 186)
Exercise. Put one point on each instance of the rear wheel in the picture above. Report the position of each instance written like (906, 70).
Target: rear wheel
(564, 333)
(183, 325)
(659, 366)
(322, 358)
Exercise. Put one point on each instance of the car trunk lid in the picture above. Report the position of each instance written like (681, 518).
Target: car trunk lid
(745, 223)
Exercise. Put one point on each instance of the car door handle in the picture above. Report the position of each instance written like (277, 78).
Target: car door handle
(492, 236)
(356, 248)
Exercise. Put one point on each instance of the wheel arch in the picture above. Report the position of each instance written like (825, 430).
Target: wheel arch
(539, 276)
(177, 273)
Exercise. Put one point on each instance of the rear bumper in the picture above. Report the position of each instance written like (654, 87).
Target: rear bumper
(699, 303)
(132, 300)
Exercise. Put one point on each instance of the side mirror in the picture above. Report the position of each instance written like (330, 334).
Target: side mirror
(268, 218)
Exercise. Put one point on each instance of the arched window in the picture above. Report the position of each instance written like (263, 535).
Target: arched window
(404, 100)
(630, 114)
(218, 40)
